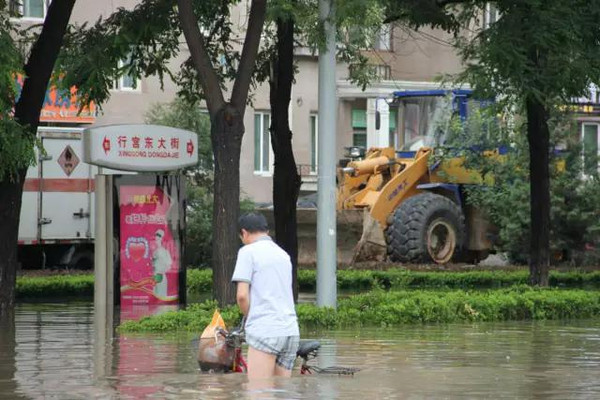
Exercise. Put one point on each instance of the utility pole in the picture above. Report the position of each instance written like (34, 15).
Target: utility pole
(326, 203)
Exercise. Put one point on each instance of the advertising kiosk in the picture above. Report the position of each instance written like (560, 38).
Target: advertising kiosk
(140, 218)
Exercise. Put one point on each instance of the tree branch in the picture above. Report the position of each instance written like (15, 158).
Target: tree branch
(444, 3)
(208, 77)
(40, 64)
(407, 8)
(241, 85)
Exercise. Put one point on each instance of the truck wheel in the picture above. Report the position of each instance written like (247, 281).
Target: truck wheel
(83, 260)
(426, 227)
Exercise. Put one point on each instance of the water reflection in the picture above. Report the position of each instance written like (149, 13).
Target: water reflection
(7, 357)
(51, 351)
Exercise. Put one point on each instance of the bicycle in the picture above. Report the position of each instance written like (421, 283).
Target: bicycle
(229, 357)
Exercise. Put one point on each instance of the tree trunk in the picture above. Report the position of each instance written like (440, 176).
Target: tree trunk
(227, 130)
(10, 208)
(538, 135)
(286, 181)
(27, 113)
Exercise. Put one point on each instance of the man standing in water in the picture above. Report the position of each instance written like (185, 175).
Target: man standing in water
(263, 273)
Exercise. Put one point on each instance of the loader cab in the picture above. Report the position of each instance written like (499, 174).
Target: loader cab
(426, 115)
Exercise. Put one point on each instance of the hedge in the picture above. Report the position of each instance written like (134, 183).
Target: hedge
(200, 281)
(405, 279)
(55, 286)
(386, 309)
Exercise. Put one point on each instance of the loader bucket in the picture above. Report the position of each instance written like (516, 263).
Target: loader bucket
(350, 224)
(371, 246)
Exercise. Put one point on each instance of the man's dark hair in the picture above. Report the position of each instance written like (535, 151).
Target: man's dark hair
(253, 223)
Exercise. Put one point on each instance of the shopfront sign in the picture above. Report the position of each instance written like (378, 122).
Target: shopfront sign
(585, 105)
(62, 105)
(140, 148)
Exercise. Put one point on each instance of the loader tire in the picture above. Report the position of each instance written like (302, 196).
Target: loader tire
(425, 228)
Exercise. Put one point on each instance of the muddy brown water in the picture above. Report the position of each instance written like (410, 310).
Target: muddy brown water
(51, 354)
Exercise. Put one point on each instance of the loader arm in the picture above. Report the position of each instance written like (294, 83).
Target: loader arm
(401, 186)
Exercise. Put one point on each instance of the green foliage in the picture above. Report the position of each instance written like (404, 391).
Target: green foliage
(11, 62)
(180, 114)
(199, 224)
(418, 13)
(357, 23)
(199, 281)
(531, 59)
(532, 50)
(575, 193)
(193, 319)
(55, 286)
(145, 40)
(188, 116)
(387, 309)
(198, 234)
(404, 279)
(17, 148)
(199, 185)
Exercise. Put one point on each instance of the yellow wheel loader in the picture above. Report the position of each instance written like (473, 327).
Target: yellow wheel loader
(414, 208)
(413, 211)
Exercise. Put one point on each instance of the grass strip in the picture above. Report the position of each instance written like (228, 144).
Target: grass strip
(392, 308)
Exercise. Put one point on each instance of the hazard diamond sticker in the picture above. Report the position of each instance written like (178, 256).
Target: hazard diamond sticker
(68, 160)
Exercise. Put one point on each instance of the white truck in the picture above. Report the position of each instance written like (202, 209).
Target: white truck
(57, 214)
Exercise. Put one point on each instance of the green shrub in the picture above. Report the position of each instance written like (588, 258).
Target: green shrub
(199, 183)
(393, 308)
(574, 185)
(405, 279)
(199, 281)
(55, 286)
(193, 319)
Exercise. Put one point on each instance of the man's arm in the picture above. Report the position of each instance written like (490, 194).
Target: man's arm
(243, 296)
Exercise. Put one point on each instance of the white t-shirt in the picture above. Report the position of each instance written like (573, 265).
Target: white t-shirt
(268, 269)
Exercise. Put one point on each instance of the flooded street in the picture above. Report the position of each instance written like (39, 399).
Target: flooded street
(52, 354)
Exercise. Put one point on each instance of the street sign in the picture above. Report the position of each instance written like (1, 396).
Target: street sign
(142, 148)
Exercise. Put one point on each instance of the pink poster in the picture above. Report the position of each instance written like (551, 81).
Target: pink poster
(149, 256)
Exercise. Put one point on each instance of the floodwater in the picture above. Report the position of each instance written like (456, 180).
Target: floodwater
(51, 353)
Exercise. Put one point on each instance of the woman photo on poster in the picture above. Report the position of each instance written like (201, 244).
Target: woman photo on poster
(161, 263)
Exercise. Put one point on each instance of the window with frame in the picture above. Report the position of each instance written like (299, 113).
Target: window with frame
(126, 82)
(590, 138)
(314, 141)
(382, 40)
(31, 9)
(262, 143)
(490, 15)
(359, 128)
